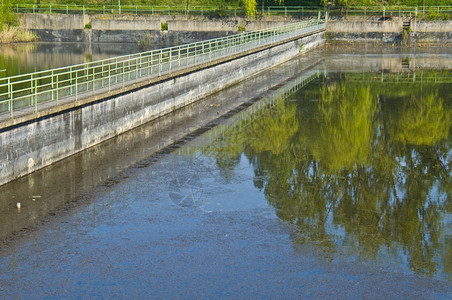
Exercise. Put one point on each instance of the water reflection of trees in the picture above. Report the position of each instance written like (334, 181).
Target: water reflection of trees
(347, 158)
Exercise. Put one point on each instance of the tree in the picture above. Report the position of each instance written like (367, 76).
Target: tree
(250, 7)
(6, 15)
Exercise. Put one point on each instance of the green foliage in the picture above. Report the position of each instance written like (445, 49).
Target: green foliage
(343, 139)
(435, 16)
(422, 121)
(249, 6)
(368, 159)
(164, 26)
(6, 15)
(88, 25)
(241, 28)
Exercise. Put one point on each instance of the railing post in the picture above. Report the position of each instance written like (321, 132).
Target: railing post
(93, 79)
(51, 85)
(10, 96)
(178, 58)
(36, 95)
(160, 62)
(123, 73)
(109, 77)
(170, 60)
(57, 91)
(76, 85)
(31, 90)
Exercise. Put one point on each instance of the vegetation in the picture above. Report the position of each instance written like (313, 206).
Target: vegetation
(11, 34)
(6, 15)
(8, 32)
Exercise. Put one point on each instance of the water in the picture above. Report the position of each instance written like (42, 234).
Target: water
(25, 58)
(335, 183)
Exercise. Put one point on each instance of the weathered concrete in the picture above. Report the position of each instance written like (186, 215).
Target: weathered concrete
(37, 143)
(390, 31)
(132, 29)
(364, 26)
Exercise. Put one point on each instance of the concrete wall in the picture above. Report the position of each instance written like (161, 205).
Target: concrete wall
(53, 21)
(364, 26)
(390, 31)
(30, 146)
(431, 26)
(130, 28)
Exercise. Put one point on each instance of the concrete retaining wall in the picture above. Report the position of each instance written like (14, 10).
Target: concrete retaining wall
(53, 21)
(364, 26)
(432, 26)
(390, 31)
(130, 29)
(33, 145)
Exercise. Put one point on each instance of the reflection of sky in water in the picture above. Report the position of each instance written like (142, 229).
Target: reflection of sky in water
(214, 192)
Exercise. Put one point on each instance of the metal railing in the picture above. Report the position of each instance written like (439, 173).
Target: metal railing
(128, 9)
(44, 89)
(428, 12)
(425, 12)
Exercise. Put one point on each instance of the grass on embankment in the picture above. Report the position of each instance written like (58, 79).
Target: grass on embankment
(11, 34)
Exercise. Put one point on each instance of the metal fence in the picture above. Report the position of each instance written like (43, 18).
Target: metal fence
(422, 12)
(128, 9)
(43, 89)
(427, 12)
